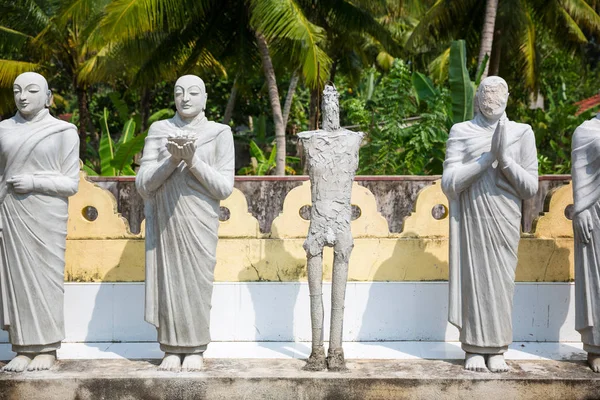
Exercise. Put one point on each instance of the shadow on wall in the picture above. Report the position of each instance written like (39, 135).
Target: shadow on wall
(267, 309)
(405, 310)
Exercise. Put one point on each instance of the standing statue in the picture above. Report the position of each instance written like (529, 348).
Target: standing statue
(186, 169)
(491, 166)
(39, 164)
(585, 160)
(332, 156)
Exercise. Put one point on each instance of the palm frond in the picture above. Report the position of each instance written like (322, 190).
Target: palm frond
(10, 69)
(284, 19)
(582, 14)
(528, 51)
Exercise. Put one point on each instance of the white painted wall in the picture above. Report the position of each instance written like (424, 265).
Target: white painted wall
(375, 311)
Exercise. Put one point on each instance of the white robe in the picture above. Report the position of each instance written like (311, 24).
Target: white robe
(485, 218)
(34, 228)
(585, 161)
(182, 222)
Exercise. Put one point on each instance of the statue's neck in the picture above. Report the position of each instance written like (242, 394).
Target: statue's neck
(194, 121)
(34, 117)
(483, 122)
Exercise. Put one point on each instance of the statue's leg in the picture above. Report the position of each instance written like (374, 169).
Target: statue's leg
(341, 258)
(314, 253)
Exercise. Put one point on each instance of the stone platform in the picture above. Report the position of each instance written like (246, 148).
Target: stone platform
(284, 379)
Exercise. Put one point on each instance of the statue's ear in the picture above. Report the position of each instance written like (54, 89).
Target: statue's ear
(49, 98)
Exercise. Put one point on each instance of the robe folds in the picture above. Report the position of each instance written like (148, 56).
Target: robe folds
(485, 217)
(585, 165)
(182, 222)
(34, 228)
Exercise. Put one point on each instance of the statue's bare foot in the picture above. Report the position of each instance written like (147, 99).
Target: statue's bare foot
(594, 361)
(192, 362)
(42, 362)
(171, 362)
(335, 360)
(496, 363)
(316, 361)
(475, 362)
(17, 364)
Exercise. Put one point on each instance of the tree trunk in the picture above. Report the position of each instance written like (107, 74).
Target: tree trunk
(145, 98)
(290, 96)
(85, 122)
(313, 110)
(487, 34)
(333, 72)
(231, 102)
(269, 71)
(495, 59)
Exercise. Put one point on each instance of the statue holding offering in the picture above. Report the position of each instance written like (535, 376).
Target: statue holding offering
(187, 168)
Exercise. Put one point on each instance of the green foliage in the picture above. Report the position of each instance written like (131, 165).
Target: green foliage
(397, 142)
(117, 159)
(261, 165)
(461, 88)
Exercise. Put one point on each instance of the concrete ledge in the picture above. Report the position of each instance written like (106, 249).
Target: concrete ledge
(284, 379)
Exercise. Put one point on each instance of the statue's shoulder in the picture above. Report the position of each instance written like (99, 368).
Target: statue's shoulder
(217, 126)
(159, 126)
(460, 128)
(521, 126)
(5, 123)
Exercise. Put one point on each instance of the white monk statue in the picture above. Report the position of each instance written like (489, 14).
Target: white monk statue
(39, 164)
(585, 161)
(332, 156)
(186, 170)
(490, 168)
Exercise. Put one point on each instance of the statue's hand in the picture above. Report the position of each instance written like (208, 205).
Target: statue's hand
(174, 149)
(583, 225)
(21, 183)
(501, 147)
(188, 150)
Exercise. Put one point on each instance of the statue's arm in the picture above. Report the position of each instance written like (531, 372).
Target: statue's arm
(217, 179)
(459, 176)
(523, 175)
(153, 173)
(66, 182)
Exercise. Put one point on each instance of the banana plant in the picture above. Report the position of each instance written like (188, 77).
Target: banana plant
(261, 165)
(117, 159)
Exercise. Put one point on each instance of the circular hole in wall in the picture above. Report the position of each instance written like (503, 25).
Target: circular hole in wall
(305, 212)
(356, 212)
(439, 211)
(569, 212)
(224, 214)
(90, 213)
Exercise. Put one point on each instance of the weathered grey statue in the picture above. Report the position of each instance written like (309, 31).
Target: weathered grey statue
(585, 161)
(490, 167)
(39, 170)
(187, 168)
(332, 156)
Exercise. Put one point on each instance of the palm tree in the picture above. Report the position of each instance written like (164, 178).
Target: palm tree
(516, 26)
(53, 37)
(189, 34)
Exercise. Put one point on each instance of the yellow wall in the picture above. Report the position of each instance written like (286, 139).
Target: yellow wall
(105, 249)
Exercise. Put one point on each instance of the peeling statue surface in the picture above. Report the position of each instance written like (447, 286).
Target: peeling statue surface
(187, 168)
(39, 164)
(332, 157)
(585, 165)
(490, 167)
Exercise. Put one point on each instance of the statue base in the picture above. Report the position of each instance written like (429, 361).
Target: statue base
(285, 379)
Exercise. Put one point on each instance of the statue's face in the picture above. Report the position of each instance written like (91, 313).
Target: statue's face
(31, 93)
(190, 96)
(492, 101)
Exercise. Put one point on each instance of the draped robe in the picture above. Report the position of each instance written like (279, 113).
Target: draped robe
(585, 161)
(34, 228)
(182, 222)
(485, 217)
